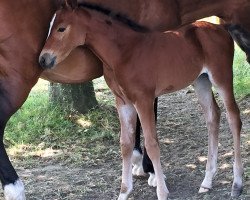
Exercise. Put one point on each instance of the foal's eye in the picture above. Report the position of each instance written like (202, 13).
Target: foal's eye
(61, 29)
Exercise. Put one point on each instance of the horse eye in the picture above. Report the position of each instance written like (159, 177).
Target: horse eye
(61, 30)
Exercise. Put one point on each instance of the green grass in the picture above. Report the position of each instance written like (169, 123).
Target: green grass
(241, 74)
(40, 125)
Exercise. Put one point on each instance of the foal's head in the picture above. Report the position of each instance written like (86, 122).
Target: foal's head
(65, 35)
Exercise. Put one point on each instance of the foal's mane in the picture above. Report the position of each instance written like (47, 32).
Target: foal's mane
(116, 16)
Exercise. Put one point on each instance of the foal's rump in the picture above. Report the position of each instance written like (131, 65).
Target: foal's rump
(198, 48)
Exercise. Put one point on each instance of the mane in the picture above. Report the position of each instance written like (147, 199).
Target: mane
(115, 15)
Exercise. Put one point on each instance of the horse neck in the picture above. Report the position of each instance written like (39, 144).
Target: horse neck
(110, 40)
(26, 21)
(199, 9)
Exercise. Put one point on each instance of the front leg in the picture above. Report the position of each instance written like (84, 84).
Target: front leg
(127, 116)
(142, 164)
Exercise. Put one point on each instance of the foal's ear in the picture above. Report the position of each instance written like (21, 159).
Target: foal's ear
(71, 4)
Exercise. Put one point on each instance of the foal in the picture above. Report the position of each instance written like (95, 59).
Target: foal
(141, 65)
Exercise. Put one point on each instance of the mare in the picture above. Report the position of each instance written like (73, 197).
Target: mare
(169, 14)
(24, 29)
(137, 70)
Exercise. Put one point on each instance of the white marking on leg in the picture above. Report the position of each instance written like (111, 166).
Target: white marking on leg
(152, 180)
(127, 115)
(137, 164)
(14, 191)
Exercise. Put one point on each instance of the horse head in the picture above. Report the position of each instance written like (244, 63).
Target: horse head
(65, 34)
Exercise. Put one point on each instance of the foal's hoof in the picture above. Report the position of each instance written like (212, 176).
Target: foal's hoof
(152, 180)
(236, 191)
(138, 171)
(137, 164)
(203, 190)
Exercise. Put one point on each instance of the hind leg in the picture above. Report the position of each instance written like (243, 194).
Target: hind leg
(12, 95)
(211, 110)
(224, 84)
(233, 117)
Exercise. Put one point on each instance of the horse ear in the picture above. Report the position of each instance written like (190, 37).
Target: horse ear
(71, 4)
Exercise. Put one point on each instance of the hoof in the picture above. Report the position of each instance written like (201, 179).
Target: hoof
(203, 190)
(14, 191)
(236, 191)
(138, 171)
(137, 164)
(122, 197)
(152, 180)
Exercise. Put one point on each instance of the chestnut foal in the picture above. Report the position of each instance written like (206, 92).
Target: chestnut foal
(140, 65)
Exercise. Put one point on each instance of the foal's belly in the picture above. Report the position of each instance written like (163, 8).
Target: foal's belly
(177, 78)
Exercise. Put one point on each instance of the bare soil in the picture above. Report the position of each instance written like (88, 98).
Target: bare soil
(183, 140)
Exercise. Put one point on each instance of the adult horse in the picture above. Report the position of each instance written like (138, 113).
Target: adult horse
(137, 70)
(24, 27)
(169, 14)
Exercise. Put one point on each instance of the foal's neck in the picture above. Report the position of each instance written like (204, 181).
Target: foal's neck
(111, 40)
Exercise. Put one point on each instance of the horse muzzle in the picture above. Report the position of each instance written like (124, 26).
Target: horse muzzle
(47, 61)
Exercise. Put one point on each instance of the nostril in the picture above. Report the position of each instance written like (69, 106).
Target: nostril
(47, 60)
(42, 61)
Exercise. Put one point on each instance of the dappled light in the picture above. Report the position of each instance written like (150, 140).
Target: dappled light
(225, 166)
(246, 112)
(228, 154)
(224, 182)
(202, 158)
(167, 141)
(24, 151)
(191, 166)
(84, 123)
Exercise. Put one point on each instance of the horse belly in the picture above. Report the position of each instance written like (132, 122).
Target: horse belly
(178, 75)
(80, 66)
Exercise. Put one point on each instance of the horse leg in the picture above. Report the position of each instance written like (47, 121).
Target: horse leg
(211, 110)
(137, 157)
(145, 110)
(235, 124)
(141, 161)
(12, 97)
(147, 163)
(127, 116)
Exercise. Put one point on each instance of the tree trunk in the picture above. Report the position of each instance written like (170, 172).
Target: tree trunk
(80, 97)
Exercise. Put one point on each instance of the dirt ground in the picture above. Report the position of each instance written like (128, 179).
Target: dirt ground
(183, 141)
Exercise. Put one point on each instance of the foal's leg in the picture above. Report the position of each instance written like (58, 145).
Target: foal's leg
(127, 116)
(145, 110)
(141, 161)
(138, 155)
(233, 117)
(211, 110)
